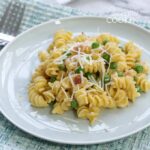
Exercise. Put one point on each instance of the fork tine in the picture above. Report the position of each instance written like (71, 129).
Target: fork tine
(12, 17)
(2, 21)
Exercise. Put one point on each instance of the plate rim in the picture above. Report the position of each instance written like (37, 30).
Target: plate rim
(57, 140)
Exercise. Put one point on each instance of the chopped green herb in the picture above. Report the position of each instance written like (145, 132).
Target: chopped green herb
(95, 45)
(79, 69)
(138, 88)
(62, 67)
(88, 74)
(88, 58)
(69, 54)
(106, 57)
(113, 65)
(52, 79)
(74, 104)
(139, 68)
(120, 74)
(106, 78)
(105, 42)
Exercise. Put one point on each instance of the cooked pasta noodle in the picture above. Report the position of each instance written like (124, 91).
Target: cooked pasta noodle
(88, 74)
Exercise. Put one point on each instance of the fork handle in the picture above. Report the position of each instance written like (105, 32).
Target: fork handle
(5, 39)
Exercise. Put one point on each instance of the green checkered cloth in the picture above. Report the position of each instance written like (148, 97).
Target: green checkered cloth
(12, 138)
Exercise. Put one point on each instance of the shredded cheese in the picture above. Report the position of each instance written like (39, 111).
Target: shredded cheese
(70, 77)
(64, 92)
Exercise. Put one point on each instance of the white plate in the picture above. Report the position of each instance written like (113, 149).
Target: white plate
(19, 59)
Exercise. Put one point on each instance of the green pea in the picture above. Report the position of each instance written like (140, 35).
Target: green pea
(95, 45)
(113, 65)
(88, 58)
(88, 74)
(138, 68)
(120, 74)
(138, 88)
(105, 42)
(52, 79)
(74, 104)
(106, 57)
(69, 54)
(62, 67)
(106, 78)
(79, 69)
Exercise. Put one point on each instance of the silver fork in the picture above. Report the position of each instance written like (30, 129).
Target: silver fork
(10, 22)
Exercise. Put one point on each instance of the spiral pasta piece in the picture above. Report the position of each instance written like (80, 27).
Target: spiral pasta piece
(55, 87)
(81, 97)
(93, 114)
(143, 82)
(146, 68)
(36, 98)
(131, 60)
(48, 96)
(108, 37)
(131, 48)
(61, 107)
(112, 48)
(132, 73)
(52, 69)
(128, 84)
(43, 56)
(56, 53)
(71, 64)
(90, 113)
(40, 83)
(61, 38)
(118, 57)
(80, 38)
(40, 71)
(61, 95)
(94, 66)
(120, 97)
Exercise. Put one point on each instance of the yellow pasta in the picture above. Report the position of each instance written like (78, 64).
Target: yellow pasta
(94, 66)
(128, 84)
(40, 83)
(52, 69)
(88, 74)
(80, 38)
(36, 98)
(130, 47)
(120, 97)
(143, 82)
(106, 36)
(61, 107)
(112, 48)
(90, 113)
(100, 100)
(43, 56)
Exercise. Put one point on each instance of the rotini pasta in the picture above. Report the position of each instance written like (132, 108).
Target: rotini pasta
(88, 74)
(143, 82)
(61, 38)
